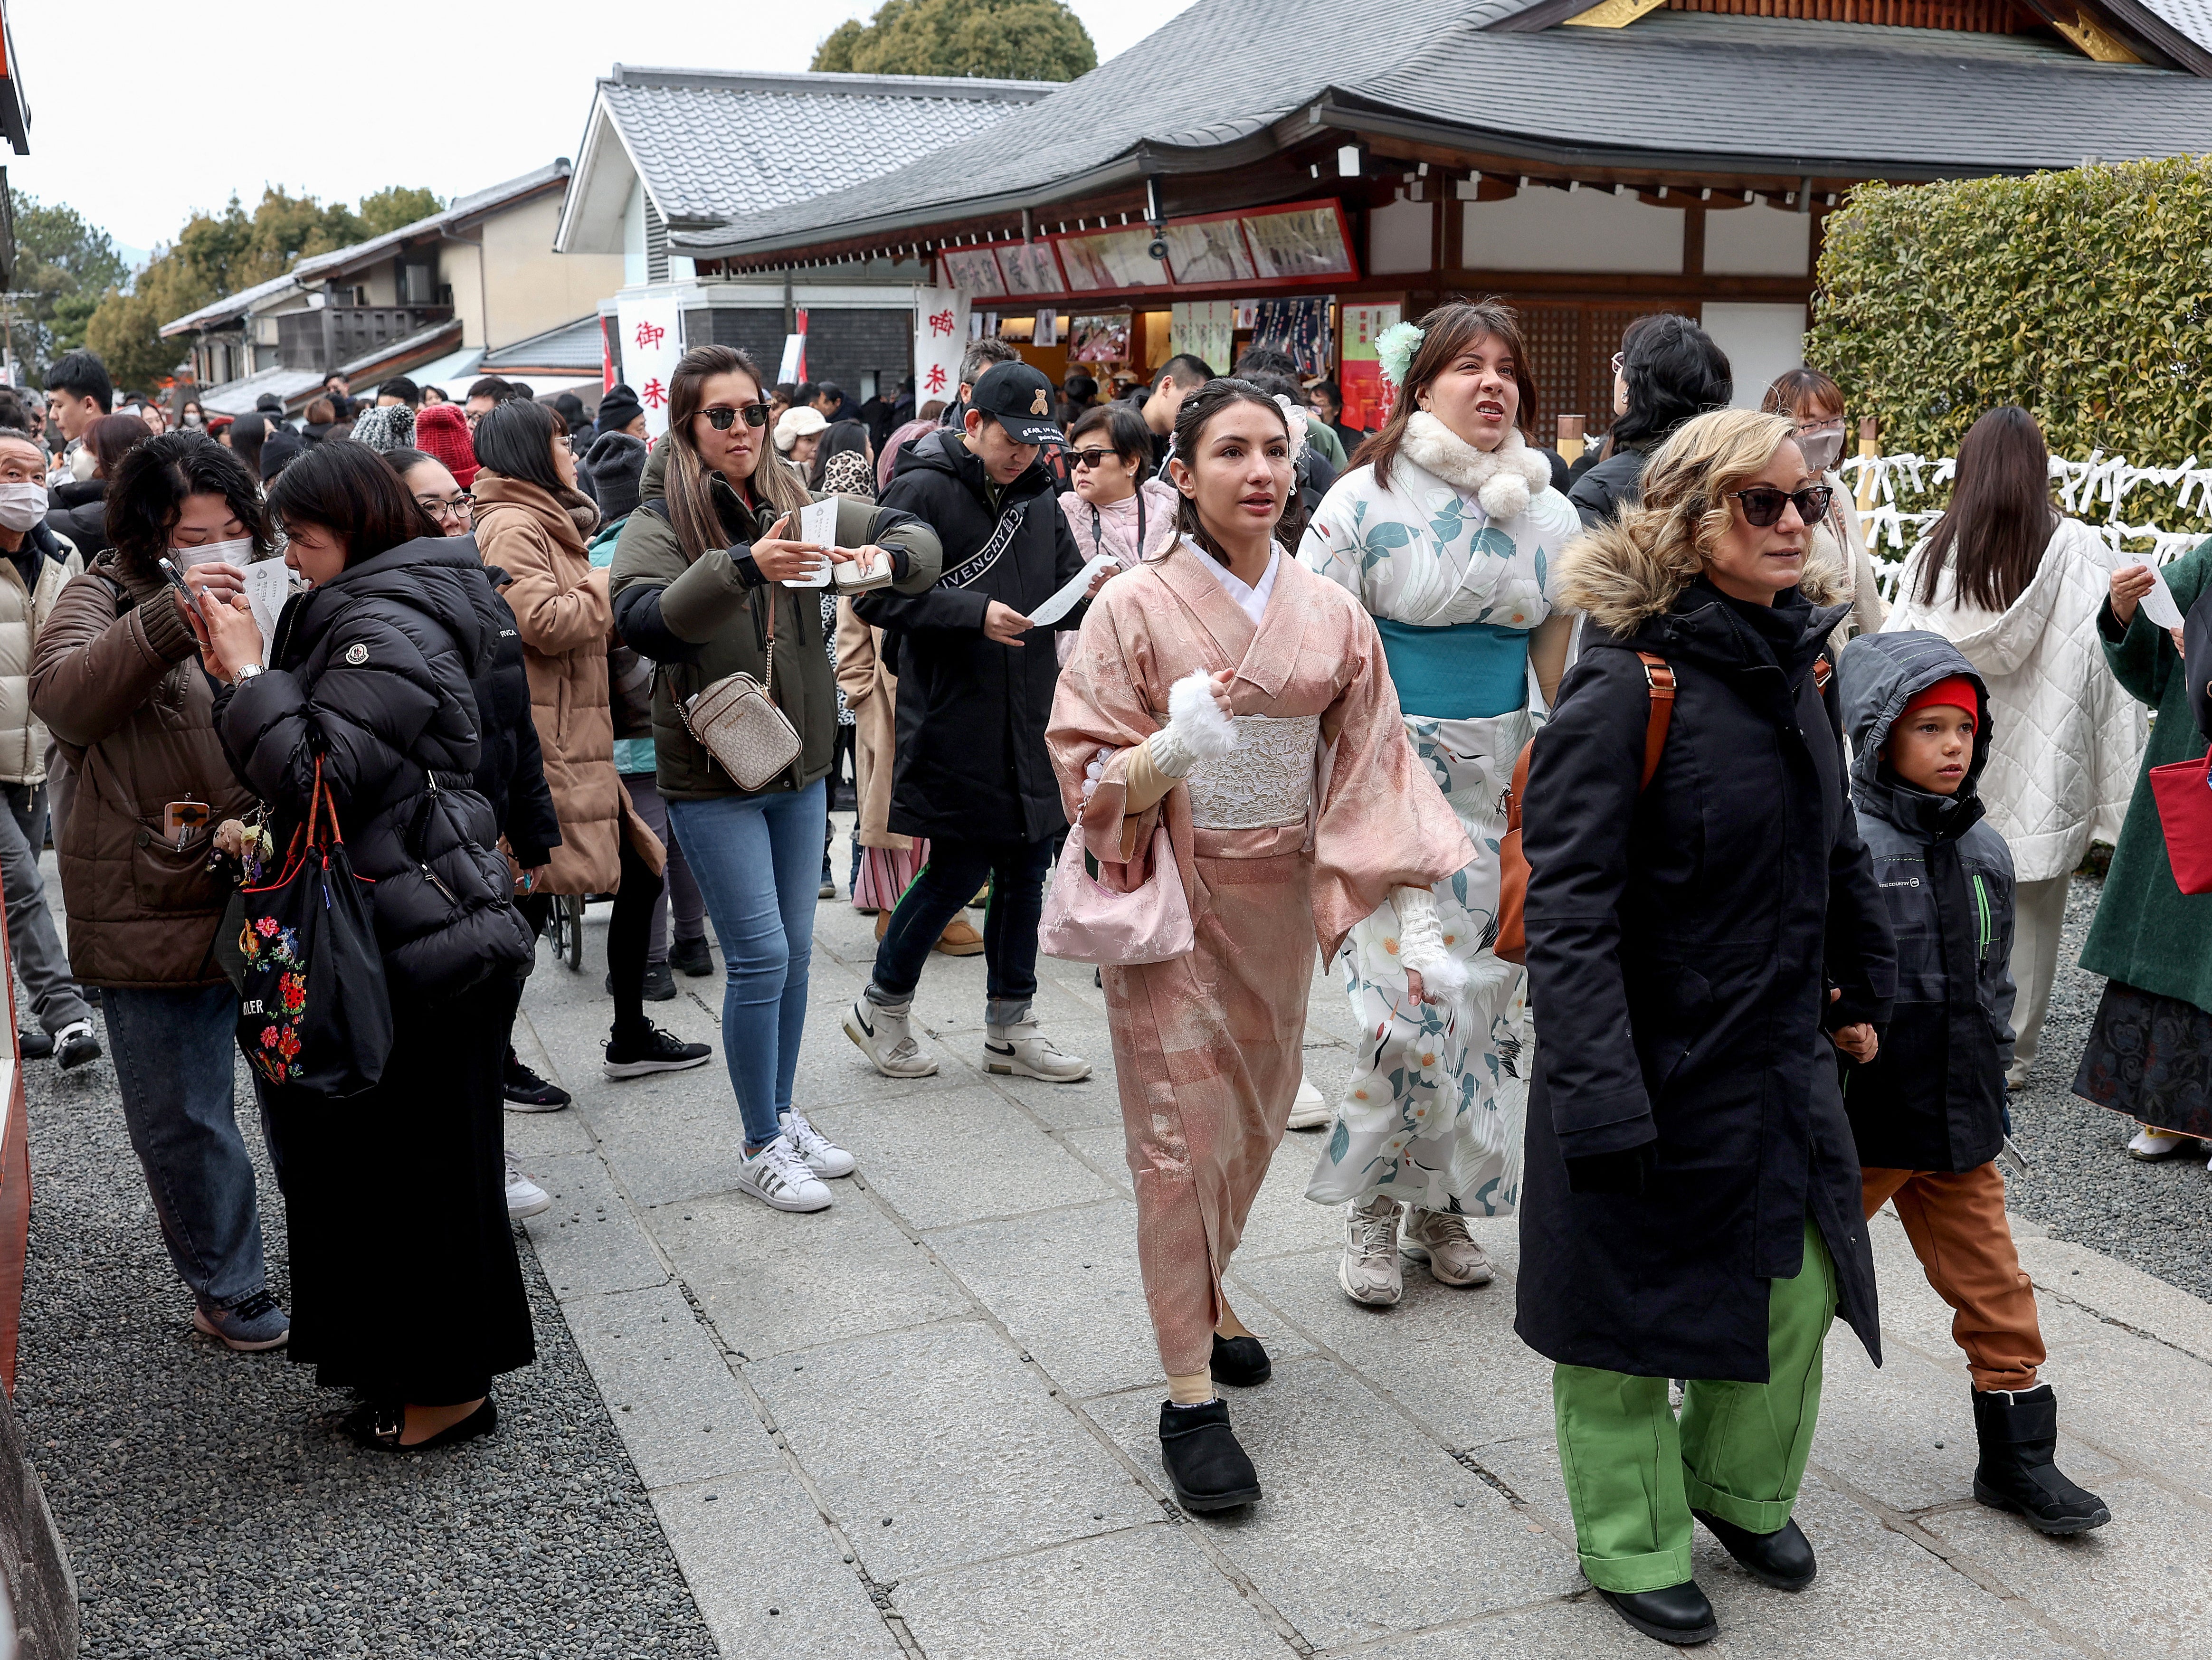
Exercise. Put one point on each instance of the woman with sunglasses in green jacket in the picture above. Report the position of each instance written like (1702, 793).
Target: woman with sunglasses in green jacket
(701, 587)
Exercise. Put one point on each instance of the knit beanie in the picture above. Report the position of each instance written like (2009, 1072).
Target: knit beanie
(1956, 690)
(391, 427)
(616, 464)
(442, 432)
(283, 449)
(617, 409)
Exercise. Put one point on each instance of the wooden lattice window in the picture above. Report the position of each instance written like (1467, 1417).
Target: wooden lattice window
(1571, 348)
(1962, 16)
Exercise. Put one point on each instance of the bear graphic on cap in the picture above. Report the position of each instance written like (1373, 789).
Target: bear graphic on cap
(1019, 398)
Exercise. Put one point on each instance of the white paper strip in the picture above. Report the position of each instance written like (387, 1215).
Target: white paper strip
(818, 523)
(1071, 594)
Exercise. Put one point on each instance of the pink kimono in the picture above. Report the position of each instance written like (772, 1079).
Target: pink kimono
(1281, 846)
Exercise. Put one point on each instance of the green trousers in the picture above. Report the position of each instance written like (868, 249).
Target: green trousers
(1633, 1473)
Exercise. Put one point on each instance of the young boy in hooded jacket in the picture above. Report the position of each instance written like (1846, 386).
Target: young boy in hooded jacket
(1929, 1111)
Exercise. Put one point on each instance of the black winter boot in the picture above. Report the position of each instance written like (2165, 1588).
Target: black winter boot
(1206, 1465)
(2019, 1432)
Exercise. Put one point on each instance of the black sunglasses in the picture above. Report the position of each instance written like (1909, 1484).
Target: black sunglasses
(1763, 503)
(722, 416)
(1092, 459)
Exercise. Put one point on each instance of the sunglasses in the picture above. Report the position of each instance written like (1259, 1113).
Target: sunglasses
(721, 417)
(1763, 503)
(1092, 459)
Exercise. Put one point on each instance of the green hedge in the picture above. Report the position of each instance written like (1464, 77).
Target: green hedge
(2084, 295)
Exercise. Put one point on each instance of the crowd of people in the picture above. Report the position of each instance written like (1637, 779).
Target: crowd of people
(1624, 778)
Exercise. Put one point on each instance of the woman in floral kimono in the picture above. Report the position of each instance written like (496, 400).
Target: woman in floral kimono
(1224, 690)
(1447, 536)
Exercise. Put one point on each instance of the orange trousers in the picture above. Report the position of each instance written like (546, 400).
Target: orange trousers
(1956, 1223)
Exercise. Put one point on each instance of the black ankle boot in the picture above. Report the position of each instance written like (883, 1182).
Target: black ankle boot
(1241, 1361)
(1678, 1614)
(1205, 1465)
(1782, 1559)
(2019, 1433)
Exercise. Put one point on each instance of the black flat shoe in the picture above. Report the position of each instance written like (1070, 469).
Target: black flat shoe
(692, 957)
(1678, 1614)
(1241, 1362)
(1782, 1559)
(380, 1426)
(1206, 1465)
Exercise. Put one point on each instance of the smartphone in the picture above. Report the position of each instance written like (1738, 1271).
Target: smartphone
(177, 582)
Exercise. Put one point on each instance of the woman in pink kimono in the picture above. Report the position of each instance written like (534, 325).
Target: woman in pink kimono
(1227, 690)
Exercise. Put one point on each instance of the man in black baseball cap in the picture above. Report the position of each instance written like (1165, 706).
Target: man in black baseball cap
(976, 690)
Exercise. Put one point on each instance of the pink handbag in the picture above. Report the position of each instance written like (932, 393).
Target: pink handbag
(1086, 921)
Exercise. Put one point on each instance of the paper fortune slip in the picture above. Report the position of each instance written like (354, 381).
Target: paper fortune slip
(818, 523)
(268, 586)
(2158, 604)
(1071, 595)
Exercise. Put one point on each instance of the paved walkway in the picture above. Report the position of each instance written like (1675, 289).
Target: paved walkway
(922, 1422)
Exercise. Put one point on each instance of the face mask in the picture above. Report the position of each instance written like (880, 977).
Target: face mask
(193, 420)
(24, 505)
(238, 552)
(1821, 450)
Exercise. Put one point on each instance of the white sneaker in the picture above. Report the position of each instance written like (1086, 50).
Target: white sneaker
(777, 1175)
(2150, 1145)
(1368, 1269)
(524, 1196)
(1440, 1238)
(1310, 1112)
(822, 1156)
(887, 1040)
(1023, 1051)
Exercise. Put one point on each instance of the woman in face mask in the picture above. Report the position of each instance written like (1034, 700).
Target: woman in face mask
(1813, 404)
(193, 416)
(114, 676)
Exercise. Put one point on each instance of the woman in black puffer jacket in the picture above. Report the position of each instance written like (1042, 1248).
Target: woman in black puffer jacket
(404, 1282)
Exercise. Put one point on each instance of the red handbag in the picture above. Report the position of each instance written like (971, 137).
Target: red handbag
(2183, 790)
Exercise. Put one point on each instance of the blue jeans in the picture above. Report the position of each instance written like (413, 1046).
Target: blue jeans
(948, 881)
(758, 862)
(174, 1049)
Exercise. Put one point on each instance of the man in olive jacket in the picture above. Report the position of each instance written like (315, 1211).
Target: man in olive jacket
(975, 691)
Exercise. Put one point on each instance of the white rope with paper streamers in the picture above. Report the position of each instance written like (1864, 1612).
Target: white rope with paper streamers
(1893, 531)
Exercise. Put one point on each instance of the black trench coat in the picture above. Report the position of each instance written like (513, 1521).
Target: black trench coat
(1682, 947)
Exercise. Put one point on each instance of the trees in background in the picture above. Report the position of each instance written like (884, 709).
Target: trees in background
(1000, 39)
(68, 264)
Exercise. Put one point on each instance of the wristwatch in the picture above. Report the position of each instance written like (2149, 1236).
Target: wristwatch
(246, 671)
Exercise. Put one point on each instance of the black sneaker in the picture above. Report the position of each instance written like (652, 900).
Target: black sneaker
(34, 1045)
(75, 1046)
(692, 957)
(528, 1092)
(652, 1050)
(659, 983)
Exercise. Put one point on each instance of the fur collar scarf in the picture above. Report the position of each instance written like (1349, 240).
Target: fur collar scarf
(1503, 481)
(1610, 573)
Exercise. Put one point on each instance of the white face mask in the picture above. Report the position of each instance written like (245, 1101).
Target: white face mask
(22, 505)
(238, 552)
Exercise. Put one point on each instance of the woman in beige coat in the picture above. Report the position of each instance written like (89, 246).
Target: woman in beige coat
(531, 526)
(889, 861)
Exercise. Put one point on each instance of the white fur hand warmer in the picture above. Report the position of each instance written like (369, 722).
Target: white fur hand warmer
(1196, 729)
(1421, 942)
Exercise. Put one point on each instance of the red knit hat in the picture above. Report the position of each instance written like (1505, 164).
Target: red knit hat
(1957, 691)
(442, 432)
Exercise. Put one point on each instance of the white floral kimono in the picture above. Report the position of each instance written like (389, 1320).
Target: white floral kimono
(1423, 1118)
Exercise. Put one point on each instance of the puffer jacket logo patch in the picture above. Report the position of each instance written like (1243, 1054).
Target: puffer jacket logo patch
(356, 654)
(1909, 882)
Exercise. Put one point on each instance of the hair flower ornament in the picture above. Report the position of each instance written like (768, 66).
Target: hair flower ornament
(1395, 347)
(1295, 419)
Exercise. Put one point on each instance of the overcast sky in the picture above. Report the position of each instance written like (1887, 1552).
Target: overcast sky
(144, 110)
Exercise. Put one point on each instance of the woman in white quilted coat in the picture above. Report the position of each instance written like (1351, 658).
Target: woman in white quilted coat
(2016, 587)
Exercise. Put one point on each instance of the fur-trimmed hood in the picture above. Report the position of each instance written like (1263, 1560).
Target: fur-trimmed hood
(1607, 573)
(1503, 480)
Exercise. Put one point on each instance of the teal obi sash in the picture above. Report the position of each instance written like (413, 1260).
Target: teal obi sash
(1465, 671)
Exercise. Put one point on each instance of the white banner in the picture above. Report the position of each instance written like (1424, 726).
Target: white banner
(651, 342)
(940, 336)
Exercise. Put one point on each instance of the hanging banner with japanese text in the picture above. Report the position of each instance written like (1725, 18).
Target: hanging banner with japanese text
(940, 336)
(651, 342)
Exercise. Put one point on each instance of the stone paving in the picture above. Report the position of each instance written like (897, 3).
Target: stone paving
(922, 1422)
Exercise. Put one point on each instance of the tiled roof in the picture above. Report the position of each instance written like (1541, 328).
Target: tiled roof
(713, 146)
(1867, 96)
(573, 345)
(230, 306)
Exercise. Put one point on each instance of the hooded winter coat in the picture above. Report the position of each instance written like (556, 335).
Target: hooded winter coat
(1682, 941)
(510, 766)
(371, 671)
(971, 712)
(561, 607)
(700, 621)
(1933, 1098)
